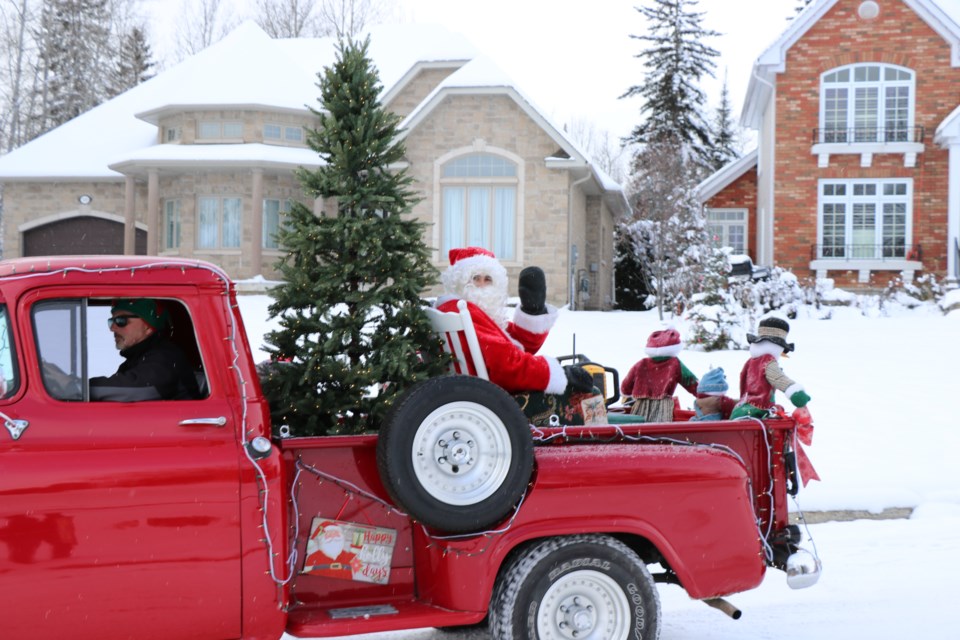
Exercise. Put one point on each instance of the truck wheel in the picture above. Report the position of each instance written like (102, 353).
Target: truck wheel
(456, 453)
(584, 586)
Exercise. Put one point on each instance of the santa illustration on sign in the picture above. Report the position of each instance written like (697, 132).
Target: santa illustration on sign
(509, 344)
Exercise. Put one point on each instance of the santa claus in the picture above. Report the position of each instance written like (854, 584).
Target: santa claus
(509, 345)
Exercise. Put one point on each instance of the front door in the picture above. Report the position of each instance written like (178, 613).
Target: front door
(116, 520)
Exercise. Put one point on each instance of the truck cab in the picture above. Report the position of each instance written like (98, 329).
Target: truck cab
(187, 518)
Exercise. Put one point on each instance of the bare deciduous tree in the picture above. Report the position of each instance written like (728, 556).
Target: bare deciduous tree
(18, 54)
(346, 18)
(603, 148)
(289, 18)
(201, 23)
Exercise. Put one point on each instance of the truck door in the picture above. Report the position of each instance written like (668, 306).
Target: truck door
(116, 518)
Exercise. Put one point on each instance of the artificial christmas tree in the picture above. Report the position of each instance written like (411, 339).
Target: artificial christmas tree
(353, 333)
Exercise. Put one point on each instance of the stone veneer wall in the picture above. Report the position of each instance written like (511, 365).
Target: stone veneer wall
(465, 121)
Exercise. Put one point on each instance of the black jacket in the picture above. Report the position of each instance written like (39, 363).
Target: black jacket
(154, 369)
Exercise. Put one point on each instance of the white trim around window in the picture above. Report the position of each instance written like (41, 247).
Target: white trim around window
(219, 222)
(866, 225)
(729, 227)
(171, 225)
(478, 201)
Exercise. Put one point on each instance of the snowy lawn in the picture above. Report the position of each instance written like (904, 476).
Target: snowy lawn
(887, 435)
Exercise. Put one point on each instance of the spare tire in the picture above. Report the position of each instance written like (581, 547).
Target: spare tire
(455, 453)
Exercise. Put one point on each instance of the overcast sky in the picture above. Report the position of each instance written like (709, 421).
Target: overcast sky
(574, 58)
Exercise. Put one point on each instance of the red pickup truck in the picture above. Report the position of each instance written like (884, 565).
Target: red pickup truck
(185, 518)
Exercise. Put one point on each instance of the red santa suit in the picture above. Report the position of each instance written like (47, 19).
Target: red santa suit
(509, 347)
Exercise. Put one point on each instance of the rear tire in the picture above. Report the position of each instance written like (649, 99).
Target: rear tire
(456, 453)
(590, 587)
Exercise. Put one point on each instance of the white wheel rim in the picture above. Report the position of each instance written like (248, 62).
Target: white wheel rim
(461, 453)
(586, 605)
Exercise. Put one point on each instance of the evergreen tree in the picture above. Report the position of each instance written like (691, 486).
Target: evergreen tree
(632, 275)
(74, 40)
(134, 62)
(676, 59)
(724, 145)
(352, 323)
(716, 318)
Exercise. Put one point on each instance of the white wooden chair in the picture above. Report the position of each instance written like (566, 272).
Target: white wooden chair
(450, 326)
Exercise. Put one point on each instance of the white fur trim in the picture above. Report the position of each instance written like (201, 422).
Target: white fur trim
(462, 271)
(670, 351)
(558, 377)
(792, 389)
(536, 324)
(765, 348)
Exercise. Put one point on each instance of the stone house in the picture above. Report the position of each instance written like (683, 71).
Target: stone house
(200, 162)
(856, 175)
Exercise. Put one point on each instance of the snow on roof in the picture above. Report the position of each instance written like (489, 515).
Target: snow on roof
(244, 69)
(248, 69)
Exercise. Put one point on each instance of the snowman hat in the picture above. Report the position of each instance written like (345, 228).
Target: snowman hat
(772, 330)
(466, 262)
(713, 383)
(664, 344)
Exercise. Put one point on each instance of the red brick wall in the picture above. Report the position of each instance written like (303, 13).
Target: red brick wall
(741, 194)
(897, 36)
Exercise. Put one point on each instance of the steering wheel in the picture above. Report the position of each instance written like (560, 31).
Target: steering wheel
(60, 384)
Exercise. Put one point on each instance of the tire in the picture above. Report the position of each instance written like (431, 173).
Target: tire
(455, 453)
(589, 587)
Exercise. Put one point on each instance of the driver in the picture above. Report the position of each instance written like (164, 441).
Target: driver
(154, 368)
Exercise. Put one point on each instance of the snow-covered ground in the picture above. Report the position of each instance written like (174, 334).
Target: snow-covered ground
(886, 436)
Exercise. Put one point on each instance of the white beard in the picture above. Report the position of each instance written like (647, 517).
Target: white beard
(490, 300)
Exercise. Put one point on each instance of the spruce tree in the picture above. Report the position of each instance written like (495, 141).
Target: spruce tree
(676, 59)
(723, 150)
(134, 61)
(352, 333)
(73, 39)
(715, 317)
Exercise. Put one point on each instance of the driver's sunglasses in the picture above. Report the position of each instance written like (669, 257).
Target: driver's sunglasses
(120, 321)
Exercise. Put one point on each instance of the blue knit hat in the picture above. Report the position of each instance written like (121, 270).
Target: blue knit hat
(713, 383)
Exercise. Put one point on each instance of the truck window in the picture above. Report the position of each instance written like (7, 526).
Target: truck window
(9, 379)
(75, 344)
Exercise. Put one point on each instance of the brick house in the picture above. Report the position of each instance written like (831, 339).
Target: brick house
(199, 162)
(856, 175)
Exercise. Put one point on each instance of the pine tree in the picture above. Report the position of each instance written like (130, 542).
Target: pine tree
(715, 317)
(351, 319)
(134, 61)
(677, 58)
(74, 40)
(723, 150)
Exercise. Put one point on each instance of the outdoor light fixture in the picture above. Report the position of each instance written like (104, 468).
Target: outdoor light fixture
(85, 199)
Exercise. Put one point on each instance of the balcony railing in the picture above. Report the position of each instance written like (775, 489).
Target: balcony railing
(866, 252)
(867, 135)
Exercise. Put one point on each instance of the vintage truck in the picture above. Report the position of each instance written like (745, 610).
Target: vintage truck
(186, 519)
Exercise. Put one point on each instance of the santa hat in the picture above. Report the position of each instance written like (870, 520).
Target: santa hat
(713, 383)
(664, 344)
(772, 330)
(466, 262)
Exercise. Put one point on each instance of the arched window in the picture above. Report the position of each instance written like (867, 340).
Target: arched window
(867, 103)
(479, 204)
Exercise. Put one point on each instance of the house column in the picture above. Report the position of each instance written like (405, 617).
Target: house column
(153, 212)
(129, 217)
(256, 227)
(953, 214)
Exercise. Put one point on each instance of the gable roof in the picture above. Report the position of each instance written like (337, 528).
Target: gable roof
(943, 16)
(249, 70)
(726, 175)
